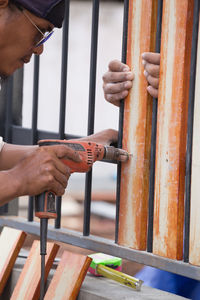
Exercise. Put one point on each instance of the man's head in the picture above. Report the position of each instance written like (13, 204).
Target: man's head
(24, 23)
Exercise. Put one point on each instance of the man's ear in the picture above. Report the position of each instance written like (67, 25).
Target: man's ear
(3, 3)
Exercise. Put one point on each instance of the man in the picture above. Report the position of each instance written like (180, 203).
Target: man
(29, 170)
(116, 84)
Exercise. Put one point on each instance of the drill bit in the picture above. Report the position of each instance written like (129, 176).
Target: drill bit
(43, 245)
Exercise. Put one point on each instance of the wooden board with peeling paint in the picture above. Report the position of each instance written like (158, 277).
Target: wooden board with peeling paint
(28, 284)
(11, 241)
(172, 127)
(194, 246)
(68, 277)
(137, 128)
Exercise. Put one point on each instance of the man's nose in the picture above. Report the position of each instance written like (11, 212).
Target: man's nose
(38, 50)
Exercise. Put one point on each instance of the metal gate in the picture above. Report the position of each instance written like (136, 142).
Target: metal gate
(15, 133)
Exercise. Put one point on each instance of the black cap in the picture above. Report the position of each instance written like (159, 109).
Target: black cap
(51, 10)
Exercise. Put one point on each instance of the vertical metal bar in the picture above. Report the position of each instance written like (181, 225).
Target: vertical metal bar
(11, 114)
(153, 142)
(8, 120)
(34, 122)
(190, 129)
(63, 95)
(4, 208)
(91, 110)
(121, 116)
(8, 85)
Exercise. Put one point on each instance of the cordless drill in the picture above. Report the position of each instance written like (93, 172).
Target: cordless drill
(89, 152)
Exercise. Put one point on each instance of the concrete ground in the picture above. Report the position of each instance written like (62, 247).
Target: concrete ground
(96, 288)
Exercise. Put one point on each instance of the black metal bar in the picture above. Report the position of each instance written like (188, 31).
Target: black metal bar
(91, 110)
(64, 65)
(34, 122)
(35, 99)
(121, 117)
(63, 91)
(190, 129)
(153, 142)
(98, 244)
(4, 209)
(8, 119)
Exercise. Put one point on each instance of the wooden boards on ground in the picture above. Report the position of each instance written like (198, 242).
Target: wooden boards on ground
(28, 284)
(172, 127)
(137, 128)
(11, 241)
(68, 277)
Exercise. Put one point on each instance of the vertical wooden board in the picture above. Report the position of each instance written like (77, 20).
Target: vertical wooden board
(11, 241)
(68, 277)
(28, 284)
(172, 128)
(194, 248)
(137, 128)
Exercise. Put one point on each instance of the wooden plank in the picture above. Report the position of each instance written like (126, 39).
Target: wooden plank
(137, 129)
(172, 127)
(194, 248)
(11, 241)
(68, 277)
(28, 284)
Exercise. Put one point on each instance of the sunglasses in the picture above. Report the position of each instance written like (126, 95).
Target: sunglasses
(45, 36)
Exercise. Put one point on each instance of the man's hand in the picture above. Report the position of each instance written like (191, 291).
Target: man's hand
(117, 81)
(151, 62)
(43, 170)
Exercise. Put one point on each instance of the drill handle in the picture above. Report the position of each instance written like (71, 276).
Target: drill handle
(45, 205)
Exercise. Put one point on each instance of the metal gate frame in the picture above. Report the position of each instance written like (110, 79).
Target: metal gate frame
(18, 135)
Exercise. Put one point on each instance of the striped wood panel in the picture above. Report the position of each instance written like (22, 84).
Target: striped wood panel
(137, 128)
(68, 277)
(171, 128)
(11, 241)
(28, 284)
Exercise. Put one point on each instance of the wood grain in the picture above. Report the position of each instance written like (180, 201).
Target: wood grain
(11, 241)
(194, 249)
(68, 277)
(137, 128)
(172, 127)
(28, 284)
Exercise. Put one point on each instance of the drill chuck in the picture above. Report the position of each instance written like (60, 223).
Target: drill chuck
(115, 154)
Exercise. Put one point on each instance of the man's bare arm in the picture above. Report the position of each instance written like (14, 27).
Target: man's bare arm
(10, 155)
(35, 171)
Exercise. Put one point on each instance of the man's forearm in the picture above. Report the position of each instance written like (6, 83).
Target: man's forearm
(9, 187)
(104, 137)
(10, 155)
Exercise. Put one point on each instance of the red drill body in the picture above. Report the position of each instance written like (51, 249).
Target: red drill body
(89, 152)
